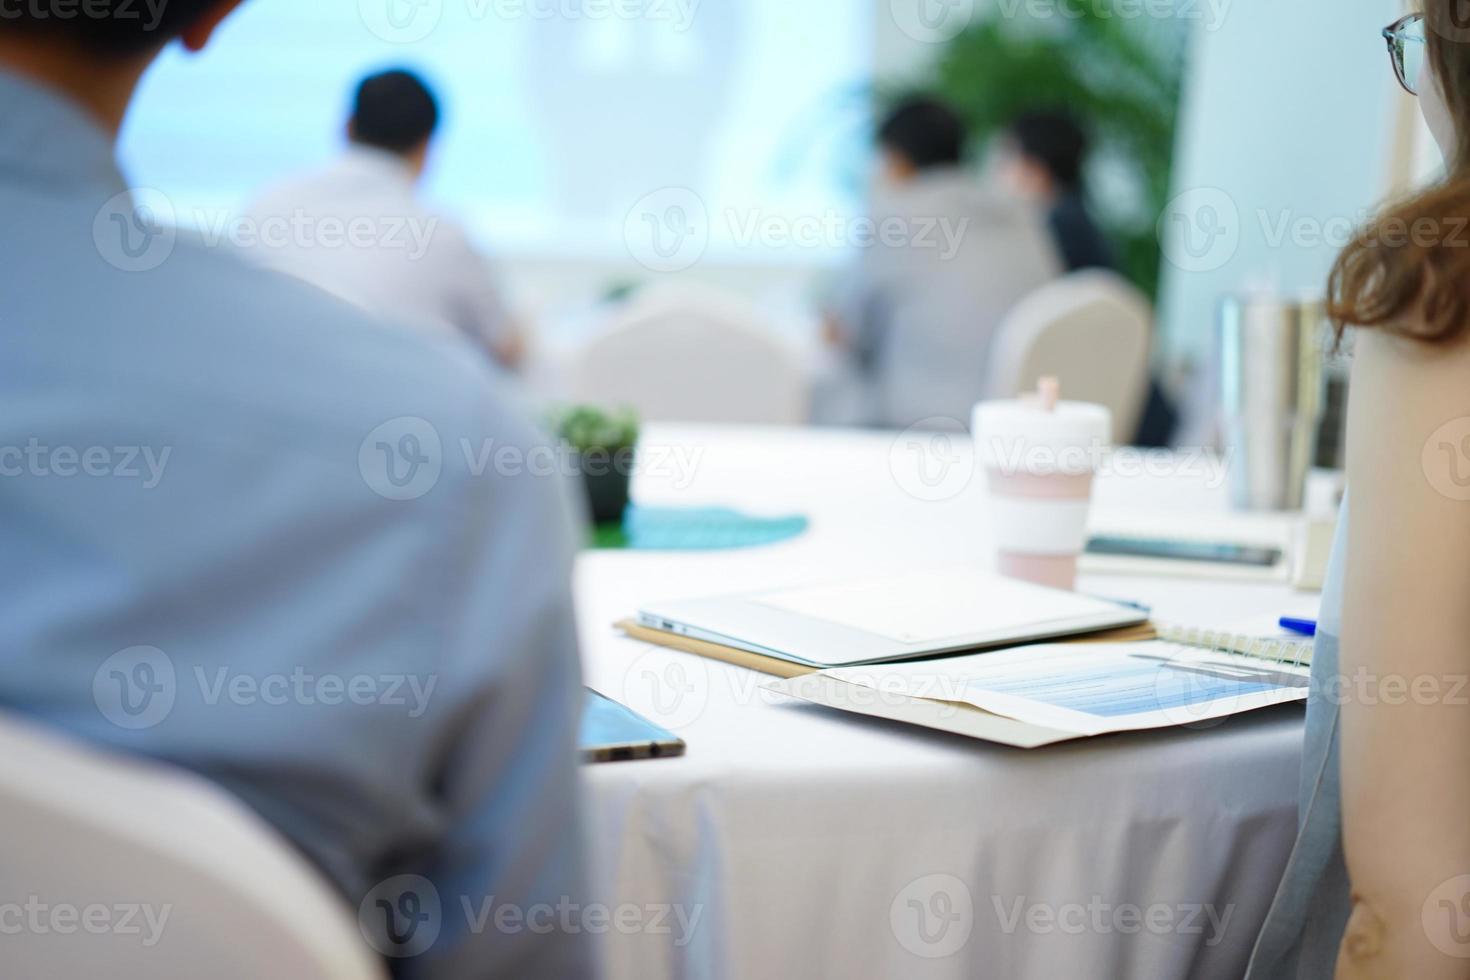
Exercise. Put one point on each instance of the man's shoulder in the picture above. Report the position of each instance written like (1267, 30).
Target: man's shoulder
(185, 321)
(269, 306)
(416, 413)
(313, 356)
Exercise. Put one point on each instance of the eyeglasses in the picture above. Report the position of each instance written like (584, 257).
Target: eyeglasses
(1407, 50)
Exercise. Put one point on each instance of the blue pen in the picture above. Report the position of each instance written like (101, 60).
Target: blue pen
(1306, 627)
(1127, 603)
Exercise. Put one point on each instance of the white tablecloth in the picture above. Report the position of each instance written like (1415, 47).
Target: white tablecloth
(796, 842)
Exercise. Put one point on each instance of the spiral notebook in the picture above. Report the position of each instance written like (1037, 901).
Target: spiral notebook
(1283, 651)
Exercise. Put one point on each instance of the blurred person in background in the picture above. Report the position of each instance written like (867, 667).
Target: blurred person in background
(1045, 161)
(398, 259)
(916, 314)
(280, 508)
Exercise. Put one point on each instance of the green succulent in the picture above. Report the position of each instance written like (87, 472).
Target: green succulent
(586, 428)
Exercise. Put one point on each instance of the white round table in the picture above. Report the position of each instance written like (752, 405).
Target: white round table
(793, 841)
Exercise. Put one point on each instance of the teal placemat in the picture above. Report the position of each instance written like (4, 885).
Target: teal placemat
(696, 529)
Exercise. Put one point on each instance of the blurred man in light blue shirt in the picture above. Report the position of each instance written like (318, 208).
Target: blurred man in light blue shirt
(245, 532)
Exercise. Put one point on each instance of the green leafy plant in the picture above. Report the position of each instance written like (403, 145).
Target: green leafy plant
(605, 446)
(1120, 75)
(586, 428)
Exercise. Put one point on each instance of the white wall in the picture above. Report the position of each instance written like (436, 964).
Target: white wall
(550, 283)
(1286, 142)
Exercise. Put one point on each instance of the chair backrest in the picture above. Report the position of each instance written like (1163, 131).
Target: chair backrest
(1092, 331)
(126, 869)
(692, 354)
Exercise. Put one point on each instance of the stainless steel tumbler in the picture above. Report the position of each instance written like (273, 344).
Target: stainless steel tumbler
(1272, 353)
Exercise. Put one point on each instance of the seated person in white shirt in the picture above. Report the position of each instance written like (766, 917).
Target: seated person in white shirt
(375, 245)
(917, 312)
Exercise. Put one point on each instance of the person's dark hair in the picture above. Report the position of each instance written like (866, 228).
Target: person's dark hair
(925, 132)
(106, 27)
(394, 111)
(1054, 139)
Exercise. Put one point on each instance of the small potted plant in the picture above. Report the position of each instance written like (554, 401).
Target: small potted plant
(603, 446)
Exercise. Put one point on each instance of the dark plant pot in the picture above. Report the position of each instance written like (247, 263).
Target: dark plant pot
(608, 476)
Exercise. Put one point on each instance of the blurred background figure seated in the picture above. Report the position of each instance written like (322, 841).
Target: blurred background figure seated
(396, 257)
(1045, 153)
(916, 314)
(1044, 158)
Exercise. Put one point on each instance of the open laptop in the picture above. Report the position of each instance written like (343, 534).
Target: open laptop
(879, 621)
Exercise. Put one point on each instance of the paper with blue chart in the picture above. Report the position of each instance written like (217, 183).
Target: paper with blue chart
(1093, 689)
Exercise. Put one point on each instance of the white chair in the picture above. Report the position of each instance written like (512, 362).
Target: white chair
(1092, 331)
(682, 353)
(125, 869)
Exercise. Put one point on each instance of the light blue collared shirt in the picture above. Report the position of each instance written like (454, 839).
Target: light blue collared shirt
(248, 531)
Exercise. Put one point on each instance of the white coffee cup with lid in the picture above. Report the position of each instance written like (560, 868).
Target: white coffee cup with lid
(1040, 456)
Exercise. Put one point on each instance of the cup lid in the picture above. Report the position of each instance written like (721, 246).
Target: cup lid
(1025, 432)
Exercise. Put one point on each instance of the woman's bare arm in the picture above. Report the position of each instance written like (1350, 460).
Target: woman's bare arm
(1405, 660)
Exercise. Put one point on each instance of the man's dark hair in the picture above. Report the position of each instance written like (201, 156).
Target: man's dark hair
(394, 111)
(106, 27)
(1054, 139)
(925, 132)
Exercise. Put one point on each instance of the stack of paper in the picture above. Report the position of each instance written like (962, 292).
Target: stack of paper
(1035, 696)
